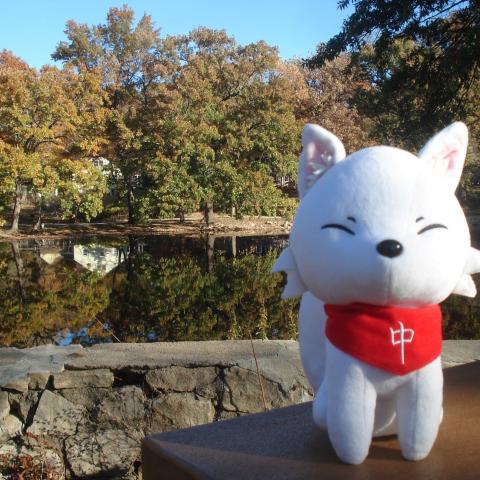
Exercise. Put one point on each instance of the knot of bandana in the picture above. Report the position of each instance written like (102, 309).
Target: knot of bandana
(395, 339)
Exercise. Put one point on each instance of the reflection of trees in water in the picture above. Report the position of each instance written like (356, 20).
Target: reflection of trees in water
(193, 292)
(190, 296)
(37, 299)
(20, 270)
(182, 298)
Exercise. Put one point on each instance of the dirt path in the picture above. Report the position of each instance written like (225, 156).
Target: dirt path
(222, 226)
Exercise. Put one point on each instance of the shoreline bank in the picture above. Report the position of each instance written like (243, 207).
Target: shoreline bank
(222, 226)
(194, 226)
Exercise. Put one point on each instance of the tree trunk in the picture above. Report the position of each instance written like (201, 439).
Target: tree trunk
(131, 209)
(38, 223)
(208, 212)
(234, 246)
(18, 206)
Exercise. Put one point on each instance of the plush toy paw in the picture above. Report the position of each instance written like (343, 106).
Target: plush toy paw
(413, 454)
(352, 456)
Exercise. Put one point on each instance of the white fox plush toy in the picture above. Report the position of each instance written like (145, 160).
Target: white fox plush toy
(378, 241)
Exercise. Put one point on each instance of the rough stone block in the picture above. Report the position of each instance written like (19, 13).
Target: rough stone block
(4, 405)
(16, 364)
(117, 356)
(182, 379)
(23, 404)
(88, 397)
(19, 384)
(10, 426)
(56, 416)
(102, 453)
(101, 378)
(124, 407)
(180, 410)
(284, 370)
(456, 352)
(243, 392)
(38, 380)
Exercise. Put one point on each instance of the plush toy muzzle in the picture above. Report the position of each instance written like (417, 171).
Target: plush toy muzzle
(378, 241)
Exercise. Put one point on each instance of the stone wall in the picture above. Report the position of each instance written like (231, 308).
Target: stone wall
(83, 412)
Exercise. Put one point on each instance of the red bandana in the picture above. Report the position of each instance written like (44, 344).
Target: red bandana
(398, 340)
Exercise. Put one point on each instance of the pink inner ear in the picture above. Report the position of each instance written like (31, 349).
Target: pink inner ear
(452, 160)
(317, 155)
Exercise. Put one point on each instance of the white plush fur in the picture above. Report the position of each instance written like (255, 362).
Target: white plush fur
(379, 193)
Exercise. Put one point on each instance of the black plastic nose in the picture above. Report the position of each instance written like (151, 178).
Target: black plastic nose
(390, 248)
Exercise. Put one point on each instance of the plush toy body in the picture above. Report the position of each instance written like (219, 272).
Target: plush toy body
(378, 241)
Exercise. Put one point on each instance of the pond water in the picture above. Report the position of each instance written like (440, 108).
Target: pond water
(162, 288)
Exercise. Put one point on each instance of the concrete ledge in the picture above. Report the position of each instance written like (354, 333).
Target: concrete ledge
(458, 352)
(187, 354)
(18, 366)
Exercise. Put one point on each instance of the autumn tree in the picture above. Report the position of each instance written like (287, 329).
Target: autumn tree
(235, 128)
(135, 74)
(326, 95)
(46, 115)
(189, 112)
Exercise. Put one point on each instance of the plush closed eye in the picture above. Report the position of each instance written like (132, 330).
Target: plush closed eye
(431, 227)
(339, 227)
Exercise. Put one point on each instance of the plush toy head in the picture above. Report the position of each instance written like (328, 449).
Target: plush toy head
(381, 226)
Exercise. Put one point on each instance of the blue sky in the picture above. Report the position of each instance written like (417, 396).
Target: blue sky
(32, 28)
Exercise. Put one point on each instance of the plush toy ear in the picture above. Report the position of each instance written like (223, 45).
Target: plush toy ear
(466, 285)
(446, 152)
(473, 261)
(286, 263)
(321, 150)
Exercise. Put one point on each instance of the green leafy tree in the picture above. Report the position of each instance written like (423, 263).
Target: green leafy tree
(234, 117)
(81, 188)
(421, 58)
(404, 107)
(136, 75)
(46, 115)
(175, 192)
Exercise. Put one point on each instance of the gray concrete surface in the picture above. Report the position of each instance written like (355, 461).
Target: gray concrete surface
(17, 367)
